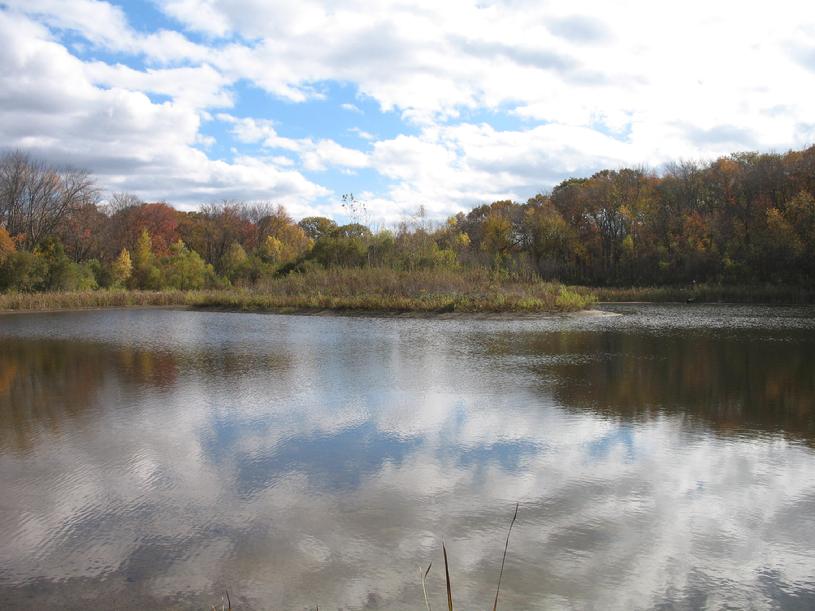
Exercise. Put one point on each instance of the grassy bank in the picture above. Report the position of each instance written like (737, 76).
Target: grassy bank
(388, 291)
(342, 290)
(705, 293)
(77, 300)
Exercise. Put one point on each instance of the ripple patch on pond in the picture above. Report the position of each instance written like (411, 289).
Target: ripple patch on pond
(157, 458)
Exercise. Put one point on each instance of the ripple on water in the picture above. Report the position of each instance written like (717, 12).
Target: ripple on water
(661, 457)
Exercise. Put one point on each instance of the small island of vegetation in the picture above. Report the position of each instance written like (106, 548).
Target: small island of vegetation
(741, 228)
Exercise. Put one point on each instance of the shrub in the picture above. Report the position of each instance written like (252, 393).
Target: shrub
(184, 269)
(24, 271)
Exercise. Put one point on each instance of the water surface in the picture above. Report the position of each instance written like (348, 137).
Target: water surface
(664, 458)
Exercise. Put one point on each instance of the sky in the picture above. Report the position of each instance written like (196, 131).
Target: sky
(445, 105)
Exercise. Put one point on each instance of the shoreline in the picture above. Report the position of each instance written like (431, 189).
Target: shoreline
(485, 301)
(350, 297)
(328, 312)
(411, 314)
(233, 304)
(7, 312)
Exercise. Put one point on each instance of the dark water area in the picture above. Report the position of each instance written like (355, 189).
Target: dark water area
(663, 457)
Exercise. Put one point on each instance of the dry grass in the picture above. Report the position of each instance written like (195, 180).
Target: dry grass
(448, 583)
(94, 299)
(706, 293)
(390, 291)
(349, 290)
(387, 290)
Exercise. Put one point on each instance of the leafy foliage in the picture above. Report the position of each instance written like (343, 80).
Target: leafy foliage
(744, 219)
(121, 269)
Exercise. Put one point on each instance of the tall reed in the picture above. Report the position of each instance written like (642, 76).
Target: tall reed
(351, 290)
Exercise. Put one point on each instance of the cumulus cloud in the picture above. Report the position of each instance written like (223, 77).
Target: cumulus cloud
(55, 106)
(431, 58)
(585, 86)
(194, 87)
(106, 26)
(315, 155)
(453, 168)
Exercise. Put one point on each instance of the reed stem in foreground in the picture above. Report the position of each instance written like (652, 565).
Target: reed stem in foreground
(504, 559)
(447, 578)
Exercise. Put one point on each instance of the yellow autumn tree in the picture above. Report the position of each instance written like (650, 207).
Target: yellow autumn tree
(146, 274)
(121, 269)
(6, 245)
(286, 245)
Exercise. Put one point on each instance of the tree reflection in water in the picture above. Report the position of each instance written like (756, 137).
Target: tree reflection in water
(154, 458)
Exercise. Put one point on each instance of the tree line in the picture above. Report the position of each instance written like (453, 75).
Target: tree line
(742, 219)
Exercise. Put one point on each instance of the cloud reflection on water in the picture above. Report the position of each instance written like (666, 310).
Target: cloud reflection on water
(299, 461)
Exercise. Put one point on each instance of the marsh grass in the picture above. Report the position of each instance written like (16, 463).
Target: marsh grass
(339, 290)
(447, 581)
(423, 577)
(706, 293)
(382, 289)
(379, 290)
(226, 605)
(94, 299)
(504, 558)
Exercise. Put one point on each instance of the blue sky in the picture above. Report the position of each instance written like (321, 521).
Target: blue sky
(443, 105)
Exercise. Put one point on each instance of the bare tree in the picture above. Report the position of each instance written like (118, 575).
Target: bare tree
(35, 197)
(122, 201)
(256, 211)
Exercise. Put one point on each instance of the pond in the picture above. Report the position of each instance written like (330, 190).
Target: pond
(663, 456)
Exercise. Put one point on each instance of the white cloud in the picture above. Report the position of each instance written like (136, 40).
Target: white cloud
(200, 15)
(453, 168)
(105, 25)
(52, 107)
(315, 155)
(195, 87)
(596, 63)
(98, 21)
(592, 85)
(326, 153)
(361, 133)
